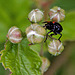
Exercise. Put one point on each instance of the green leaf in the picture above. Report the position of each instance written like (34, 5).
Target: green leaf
(20, 59)
(69, 27)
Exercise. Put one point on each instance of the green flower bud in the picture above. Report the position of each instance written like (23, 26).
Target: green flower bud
(35, 15)
(35, 33)
(55, 47)
(57, 14)
(45, 64)
(14, 35)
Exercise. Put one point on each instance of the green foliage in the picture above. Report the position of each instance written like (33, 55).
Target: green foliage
(69, 27)
(13, 13)
(67, 5)
(20, 59)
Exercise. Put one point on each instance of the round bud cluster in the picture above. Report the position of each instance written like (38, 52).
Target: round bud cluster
(35, 15)
(57, 14)
(55, 47)
(14, 35)
(35, 33)
(45, 64)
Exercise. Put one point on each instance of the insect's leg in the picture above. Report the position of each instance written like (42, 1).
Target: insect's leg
(45, 26)
(52, 35)
(47, 36)
(60, 36)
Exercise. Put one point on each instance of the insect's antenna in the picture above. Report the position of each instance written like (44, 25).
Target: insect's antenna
(44, 22)
(44, 26)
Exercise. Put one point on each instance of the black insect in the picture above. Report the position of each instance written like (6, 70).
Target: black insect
(53, 27)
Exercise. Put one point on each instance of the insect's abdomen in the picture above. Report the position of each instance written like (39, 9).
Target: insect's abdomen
(58, 28)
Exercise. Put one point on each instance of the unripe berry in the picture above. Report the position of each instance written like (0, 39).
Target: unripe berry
(57, 14)
(55, 47)
(45, 64)
(14, 35)
(35, 15)
(35, 33)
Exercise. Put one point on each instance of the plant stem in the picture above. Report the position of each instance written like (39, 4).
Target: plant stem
(41, 51)
(46, 8)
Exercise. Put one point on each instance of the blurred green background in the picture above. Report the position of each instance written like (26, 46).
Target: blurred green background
(15, 13)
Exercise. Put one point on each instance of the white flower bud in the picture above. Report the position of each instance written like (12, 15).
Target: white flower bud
(45, 64)
(35, 33)
(14, 35)
(35, 15)
(57, 14)
(55, 47)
